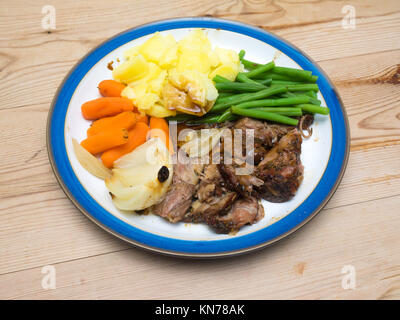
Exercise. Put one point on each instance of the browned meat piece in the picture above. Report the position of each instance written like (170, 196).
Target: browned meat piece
(178, 199)
(244, 211)
(211, 197)
(281, 170)
(265, 134)
(241, 183)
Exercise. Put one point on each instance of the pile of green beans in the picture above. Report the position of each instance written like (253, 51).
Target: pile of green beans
(263, 91)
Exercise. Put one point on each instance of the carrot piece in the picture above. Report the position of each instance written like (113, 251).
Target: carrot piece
(111, 88)
(142, 118)
(105, 107)
(125, 120)
(137, 136)
(105, 140)
(159, 128)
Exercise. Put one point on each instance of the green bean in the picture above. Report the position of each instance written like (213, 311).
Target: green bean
(181, 117)
(225, 94)
(275, 102)
(285, 111)
(294, 73)
(250, 65)
(302, 94)
(265, 82)
(236, 99)
(302, 87)
(260, 69)
(225, 116)
(284, 82)
(228, 98)
(314, 97)
(273, 76)
(239, 86)
(241, 54)
(243, 78)
(260, 114)
(220, 79)
(311, 108)
(204, 119)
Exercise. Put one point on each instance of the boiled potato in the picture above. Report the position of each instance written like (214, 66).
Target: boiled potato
(156, 47)
(131, 70)
(165, 75)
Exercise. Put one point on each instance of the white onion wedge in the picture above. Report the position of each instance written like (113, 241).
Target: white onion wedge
(202, 143)
(134, 183)
(90, 162)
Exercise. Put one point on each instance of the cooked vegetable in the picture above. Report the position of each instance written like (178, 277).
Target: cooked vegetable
(210, 118)
(249, 64)
(226, 116)
(260, 69)
(159, 129)
(233, 100)
(105, 140)
(111, 88)
(137, 136)
(243, 78)
(224, 94)
(238, 86)
(284, 82)
(202, 143)
(273, 76)
(301, 87)
(189, 91)
(295, 73)
(308, 94)
(241, 54)
(274, 102)
(165, 76)
(105, 107)
(285, 111)
(265, 82)
(220, 79)
(124, 120)
(134, 183)
(260, 114)
(142, 118)
(90, 162)
(312, 108)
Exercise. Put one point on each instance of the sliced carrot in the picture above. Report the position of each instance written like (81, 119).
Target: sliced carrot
(142, 117)
(137, 136)
(105, 107)
(159, 128)
(111, 88)
(124, 120)
(105, 140)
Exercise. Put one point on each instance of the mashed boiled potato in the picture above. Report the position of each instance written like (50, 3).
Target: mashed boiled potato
(164, 76)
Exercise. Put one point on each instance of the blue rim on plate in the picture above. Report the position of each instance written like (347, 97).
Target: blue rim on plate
(178, 247)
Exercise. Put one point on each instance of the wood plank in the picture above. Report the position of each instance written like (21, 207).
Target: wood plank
(32, 201)
(359, 226)
(329, 40)
(307, 265)
(33, 62)
(21, 20)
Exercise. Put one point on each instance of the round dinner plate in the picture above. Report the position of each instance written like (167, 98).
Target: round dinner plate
(324, 155)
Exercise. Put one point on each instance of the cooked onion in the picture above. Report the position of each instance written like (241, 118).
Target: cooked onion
(134, 183)
(90, 162)
(203, 142)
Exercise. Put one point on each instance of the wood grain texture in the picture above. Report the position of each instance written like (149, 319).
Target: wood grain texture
(359, 226)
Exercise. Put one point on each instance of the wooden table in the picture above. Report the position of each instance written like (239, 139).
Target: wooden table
(359, 227)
